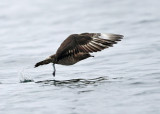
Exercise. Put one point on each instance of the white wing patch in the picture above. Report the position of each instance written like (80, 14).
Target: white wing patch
(105, 36)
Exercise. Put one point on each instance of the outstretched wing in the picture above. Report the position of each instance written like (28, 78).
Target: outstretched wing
(86, 43)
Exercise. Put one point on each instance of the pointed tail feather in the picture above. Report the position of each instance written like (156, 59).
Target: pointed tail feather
(46, 61)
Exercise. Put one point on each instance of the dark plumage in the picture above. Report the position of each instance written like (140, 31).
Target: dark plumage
(79, 46)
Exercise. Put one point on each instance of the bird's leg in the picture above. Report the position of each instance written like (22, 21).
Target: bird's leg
(54, 70)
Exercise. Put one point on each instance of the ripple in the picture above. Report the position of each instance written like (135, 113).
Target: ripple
(74, 82)
(137, 83)
(26, 80)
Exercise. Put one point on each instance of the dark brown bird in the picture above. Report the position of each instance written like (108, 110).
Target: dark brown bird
(78, 47)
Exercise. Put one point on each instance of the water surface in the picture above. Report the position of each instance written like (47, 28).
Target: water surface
(124, 79)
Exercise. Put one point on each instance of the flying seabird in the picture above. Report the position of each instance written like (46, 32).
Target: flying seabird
(77, 47)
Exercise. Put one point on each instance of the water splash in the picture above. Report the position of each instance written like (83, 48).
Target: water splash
(24, 76)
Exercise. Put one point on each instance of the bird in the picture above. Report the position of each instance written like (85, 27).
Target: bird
(77, 47)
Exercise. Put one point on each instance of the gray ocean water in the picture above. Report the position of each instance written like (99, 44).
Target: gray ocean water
(124, 79)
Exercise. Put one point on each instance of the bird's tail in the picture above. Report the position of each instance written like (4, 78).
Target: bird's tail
(46, 61)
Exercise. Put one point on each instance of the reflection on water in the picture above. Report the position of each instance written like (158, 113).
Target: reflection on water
(74, 82)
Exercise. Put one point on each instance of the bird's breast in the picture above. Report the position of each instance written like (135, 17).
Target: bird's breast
(67, 61)
(70, 60)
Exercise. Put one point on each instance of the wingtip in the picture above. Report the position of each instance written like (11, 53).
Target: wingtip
(122, 36)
